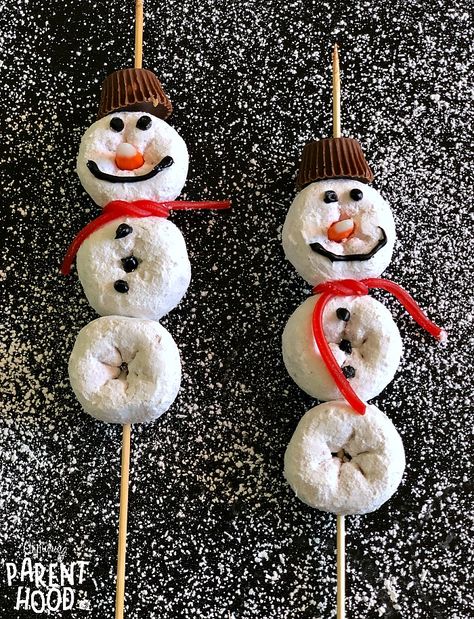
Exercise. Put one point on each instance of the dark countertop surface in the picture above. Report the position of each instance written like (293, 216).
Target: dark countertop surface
(214, 531)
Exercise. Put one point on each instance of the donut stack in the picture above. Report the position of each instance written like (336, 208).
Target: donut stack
(131, 260)
(342, 346)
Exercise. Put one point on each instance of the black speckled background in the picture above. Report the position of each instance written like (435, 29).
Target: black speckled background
(214, 530)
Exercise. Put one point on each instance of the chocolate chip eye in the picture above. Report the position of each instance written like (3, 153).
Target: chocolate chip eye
(116, 124)
(330, 196)
(356, 194)
(144, 123)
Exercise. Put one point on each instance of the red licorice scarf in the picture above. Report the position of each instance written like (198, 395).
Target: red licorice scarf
(140, 208)
(351, 287)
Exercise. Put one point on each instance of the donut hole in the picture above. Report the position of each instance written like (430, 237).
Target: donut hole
(126, 365)
(124, 368)
(342, 455)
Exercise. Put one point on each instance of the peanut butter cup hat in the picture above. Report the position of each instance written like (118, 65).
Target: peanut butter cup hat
(333, 158)
(134, 90)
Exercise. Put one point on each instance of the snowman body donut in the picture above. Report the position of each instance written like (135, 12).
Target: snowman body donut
(134, 267)
(344, 463)
(362, 336)
(125, 370)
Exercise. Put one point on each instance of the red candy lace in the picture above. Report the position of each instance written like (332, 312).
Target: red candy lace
(351, 287)
(140, 208)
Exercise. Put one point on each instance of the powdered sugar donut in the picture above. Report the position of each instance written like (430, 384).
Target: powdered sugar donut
(342, 462)
(336, 229)
(125, 370)
(362, 336)
(157, 172)
(134, 267)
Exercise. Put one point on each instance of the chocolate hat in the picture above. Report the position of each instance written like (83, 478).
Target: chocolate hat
(333, 158)
(134, 90)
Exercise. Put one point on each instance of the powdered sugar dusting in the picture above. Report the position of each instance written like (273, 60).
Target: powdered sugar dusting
(214, 530)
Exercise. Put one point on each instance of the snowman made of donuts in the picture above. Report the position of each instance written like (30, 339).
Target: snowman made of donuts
(131, 260)
(342, 346)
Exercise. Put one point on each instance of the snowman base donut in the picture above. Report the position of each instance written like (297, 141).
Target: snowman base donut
(125, 370)
(344, 463)
(362, 336)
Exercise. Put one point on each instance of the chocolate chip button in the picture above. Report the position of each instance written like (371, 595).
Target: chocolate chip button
(345, 346)
(343, 314)
(123, 230)
(129, 264)
(348, 371)
(121, 286)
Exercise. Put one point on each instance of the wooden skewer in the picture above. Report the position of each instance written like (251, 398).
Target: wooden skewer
(138, 34)
(336, 94)
(341, 567)
(122, 537)
(341, 524)
(127, 429)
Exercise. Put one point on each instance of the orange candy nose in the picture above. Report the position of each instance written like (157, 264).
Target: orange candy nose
(340, 230)
(127, 157)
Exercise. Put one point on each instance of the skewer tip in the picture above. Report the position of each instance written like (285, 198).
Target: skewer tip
(336, 93)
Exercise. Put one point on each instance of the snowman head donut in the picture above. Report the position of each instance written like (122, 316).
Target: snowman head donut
(338, 226)
(131, 153)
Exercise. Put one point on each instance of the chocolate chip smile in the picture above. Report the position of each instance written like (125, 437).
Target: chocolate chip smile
(166, 162)
(319, 249)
